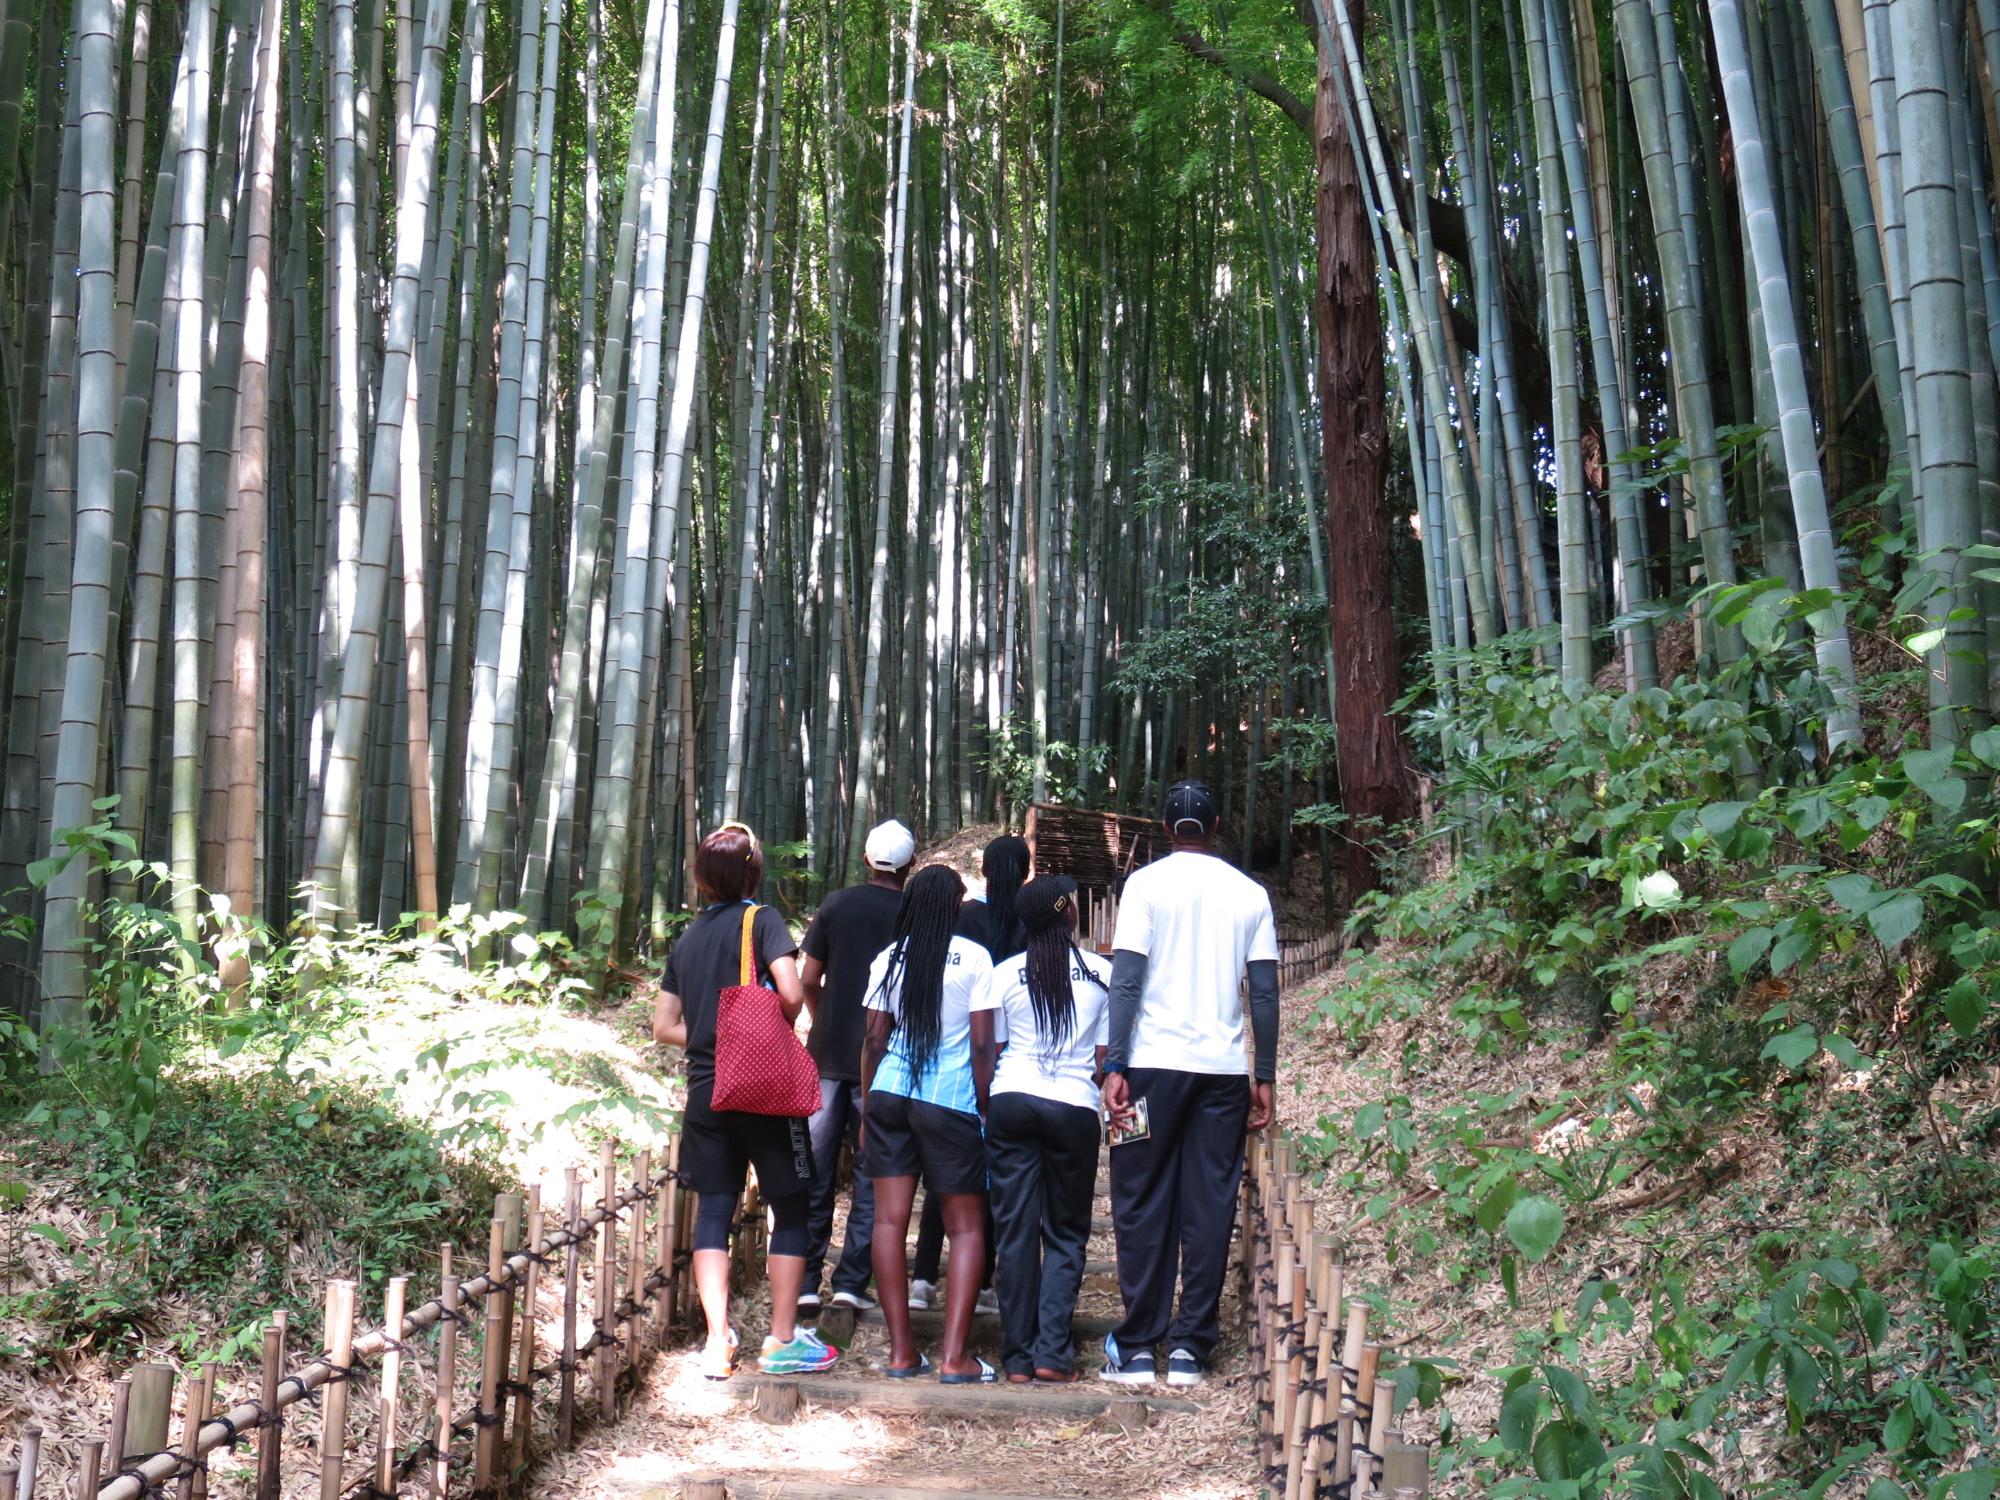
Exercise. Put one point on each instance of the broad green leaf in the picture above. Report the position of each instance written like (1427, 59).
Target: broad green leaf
(1986, 745)
(1849, 1056)
(1924, 642)
(1789, 949)
(1948, 794)
(1368, 1121)
(1568, 1388)
(1748, 948)
(1852, 892)
(1896, 1435)
(1868, 811)
(1791, 1049)
(1927, 767)
(1492, 1211)
(1534, 1224)
(1808, 815)
(1519, 1410)
(1895, 919)
(1719, 817)
(1965, 1007)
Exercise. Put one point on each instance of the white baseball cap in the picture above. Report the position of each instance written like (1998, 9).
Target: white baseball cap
(890, 846)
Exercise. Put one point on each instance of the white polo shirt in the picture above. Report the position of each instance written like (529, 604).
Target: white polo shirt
(1200, 922)
(1027, 1066)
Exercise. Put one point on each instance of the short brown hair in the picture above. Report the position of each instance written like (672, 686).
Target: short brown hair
(729, 865)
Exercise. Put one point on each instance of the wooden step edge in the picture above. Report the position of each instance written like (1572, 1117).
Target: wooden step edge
(1085, 1399)
(725, 1487)
(931, 1320)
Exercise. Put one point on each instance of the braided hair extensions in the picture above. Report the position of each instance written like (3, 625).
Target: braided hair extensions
(1005, 866)
(1048, 911)
(918, 951)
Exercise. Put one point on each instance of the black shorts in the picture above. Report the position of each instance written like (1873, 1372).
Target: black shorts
(717, 1146)
(908, 1138)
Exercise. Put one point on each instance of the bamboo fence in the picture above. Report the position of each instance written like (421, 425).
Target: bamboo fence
(1324, 1407)
(630, 1252)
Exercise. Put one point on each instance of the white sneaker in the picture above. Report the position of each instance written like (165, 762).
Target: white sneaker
(988, 1302)
(859, 1301)
(922, 1294)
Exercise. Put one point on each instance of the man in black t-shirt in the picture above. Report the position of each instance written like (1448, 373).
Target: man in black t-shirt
(853, 925)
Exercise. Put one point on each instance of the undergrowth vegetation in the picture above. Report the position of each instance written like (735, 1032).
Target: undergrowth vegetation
(1758, 987)
(248, 1112)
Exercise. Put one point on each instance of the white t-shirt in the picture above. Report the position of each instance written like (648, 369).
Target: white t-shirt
(948, 1081)
(1026, 1066)
(1200, 922)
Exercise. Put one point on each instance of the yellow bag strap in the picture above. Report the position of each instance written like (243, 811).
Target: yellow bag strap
(749, 956)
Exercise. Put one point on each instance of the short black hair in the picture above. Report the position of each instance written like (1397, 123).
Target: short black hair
(1190, 802)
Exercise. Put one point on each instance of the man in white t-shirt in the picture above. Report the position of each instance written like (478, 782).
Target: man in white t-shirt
(1191, 930)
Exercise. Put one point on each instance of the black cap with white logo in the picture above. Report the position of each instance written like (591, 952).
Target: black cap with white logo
(1190, 802)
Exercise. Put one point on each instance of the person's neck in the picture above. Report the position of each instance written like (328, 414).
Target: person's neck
(1193, 846)
(887, 882)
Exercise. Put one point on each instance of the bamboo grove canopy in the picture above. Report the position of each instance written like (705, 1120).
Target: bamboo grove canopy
(455, 451)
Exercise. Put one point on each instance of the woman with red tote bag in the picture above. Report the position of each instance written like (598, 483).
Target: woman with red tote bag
(718, 972)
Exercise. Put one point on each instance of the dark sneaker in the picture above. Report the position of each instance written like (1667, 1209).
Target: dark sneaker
(808, 1304)
(1121, 1368)
(1184, 1369)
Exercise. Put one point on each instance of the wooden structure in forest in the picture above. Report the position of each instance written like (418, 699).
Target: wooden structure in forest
(1095, 849)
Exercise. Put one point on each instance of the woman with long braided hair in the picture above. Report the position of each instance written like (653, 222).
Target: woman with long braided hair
(1038, 1035)
(920, 1114)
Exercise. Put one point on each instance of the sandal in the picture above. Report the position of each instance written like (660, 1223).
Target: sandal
(909, 1372)
(986, 1375)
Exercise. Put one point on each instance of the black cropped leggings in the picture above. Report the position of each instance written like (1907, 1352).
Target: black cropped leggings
(714, 1211)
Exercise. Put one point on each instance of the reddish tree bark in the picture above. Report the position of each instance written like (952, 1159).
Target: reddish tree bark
(1376, 783)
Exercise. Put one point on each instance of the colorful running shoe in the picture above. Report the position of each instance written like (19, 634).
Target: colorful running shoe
(804, 1355)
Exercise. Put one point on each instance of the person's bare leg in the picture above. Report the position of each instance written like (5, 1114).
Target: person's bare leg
(711, 1280)
(786, 1273)
(965, 1232)
(893, 1196)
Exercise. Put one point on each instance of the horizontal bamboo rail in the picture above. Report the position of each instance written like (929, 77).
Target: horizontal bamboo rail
(1325, 1409)
(635, 1313)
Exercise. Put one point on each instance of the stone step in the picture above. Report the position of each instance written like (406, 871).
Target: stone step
(726, 1487)
(1132, 1405)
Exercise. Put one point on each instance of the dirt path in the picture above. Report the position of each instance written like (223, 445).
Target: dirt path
(998, 1440)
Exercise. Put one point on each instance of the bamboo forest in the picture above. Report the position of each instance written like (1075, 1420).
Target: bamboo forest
(1535, 463)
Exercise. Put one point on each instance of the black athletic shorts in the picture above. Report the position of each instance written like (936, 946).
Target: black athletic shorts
(909, 1138)
(718, 1145)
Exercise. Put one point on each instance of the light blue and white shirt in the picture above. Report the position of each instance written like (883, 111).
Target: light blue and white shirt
(948, 1081)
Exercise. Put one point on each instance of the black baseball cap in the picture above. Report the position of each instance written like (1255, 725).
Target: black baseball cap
(1046, 901)
(1190, 802)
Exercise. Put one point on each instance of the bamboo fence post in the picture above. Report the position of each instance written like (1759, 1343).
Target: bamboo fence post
(271, 1431)
(447, 1377)
(572, 1229)
(524, 1363)
(1311, 1384)
(1327, 1399)
(509, 1211)
(635, 1263)
(492, 1363)
(1362, 1472)
(340, 1359)
(200, 1398)
(607, 1279)
(87, 1472)
(10, 1475)
(1381, 1406)
(1406, 1470)
(1298, 1329)
(1276, 1410)
(148, 1412)
(121, 1407)
(1350, 1373)
(392, 1376)
(670, 1196)
(30, 1461)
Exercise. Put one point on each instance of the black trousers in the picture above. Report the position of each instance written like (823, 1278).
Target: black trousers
(1178, 1188)
(1042, 1157)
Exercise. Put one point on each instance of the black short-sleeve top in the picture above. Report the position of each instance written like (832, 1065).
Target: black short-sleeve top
(707, 959)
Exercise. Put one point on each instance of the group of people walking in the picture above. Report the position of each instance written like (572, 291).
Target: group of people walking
(974, 1047)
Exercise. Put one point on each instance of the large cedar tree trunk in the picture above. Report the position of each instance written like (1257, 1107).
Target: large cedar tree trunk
(1376, 784)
